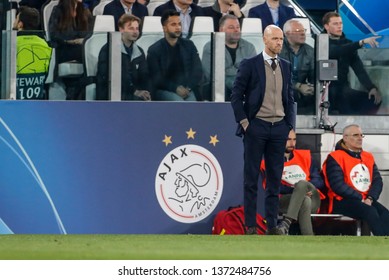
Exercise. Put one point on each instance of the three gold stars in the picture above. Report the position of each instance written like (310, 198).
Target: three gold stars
(190, 135)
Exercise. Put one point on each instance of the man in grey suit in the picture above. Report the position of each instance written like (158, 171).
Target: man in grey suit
(262, 100)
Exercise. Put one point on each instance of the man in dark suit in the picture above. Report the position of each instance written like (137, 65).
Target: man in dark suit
(221, 8)
(119, 7)
(187, 9)
(262, 100)
(272, 12)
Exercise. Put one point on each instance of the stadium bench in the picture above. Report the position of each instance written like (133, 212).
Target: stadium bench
(324, 220)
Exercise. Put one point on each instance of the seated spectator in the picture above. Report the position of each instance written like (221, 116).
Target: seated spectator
(343, 99)
(174, 63)
(117, 8)
(302, 58)
(299, 188)
(354, 182)
(68, 26)
(220, 8)
(33, 55)
(272, 12)
(236, 50)
(70, 22)
(187, 11)
(134, 65)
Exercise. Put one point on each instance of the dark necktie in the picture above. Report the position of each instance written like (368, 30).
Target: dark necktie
(273, 64)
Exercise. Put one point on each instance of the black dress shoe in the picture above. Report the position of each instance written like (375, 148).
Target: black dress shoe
(272, 231)
(251, 231)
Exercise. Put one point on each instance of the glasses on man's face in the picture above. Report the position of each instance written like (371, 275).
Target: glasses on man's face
(300, 31)
(357, 135)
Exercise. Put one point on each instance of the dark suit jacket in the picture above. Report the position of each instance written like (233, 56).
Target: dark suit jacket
(263, 12)
(116, 9)
(158, 63)
(249, 87)
(196, 11)
(214, 12)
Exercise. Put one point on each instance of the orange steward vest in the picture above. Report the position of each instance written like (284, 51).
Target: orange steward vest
(357, 173)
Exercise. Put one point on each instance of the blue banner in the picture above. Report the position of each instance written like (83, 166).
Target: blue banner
(117, 167)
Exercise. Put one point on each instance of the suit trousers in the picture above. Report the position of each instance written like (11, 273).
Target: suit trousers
(263, 140)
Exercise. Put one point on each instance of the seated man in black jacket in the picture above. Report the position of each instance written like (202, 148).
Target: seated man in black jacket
(343, 99)
(134, 65)
(174, 63)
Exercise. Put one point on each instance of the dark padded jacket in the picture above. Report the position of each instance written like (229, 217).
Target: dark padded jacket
(134, 73)
(336, 178)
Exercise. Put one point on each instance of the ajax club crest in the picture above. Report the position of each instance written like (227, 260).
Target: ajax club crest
(189, 183)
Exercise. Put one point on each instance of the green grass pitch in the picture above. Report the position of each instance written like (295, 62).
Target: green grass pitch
(191, 247)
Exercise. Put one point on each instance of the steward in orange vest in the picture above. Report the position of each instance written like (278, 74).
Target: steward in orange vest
(299, 186)
(354, 182)
(298, 167)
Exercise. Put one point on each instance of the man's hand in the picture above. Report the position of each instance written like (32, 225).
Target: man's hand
(143, 94)
(371, 41)
(183, 91)
(245, 124)
(234, 8)
(77, 41)
(367, 201)
(305, 89)
(309, 194)
(376, 94)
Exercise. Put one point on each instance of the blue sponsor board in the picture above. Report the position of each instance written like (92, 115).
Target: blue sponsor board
(117, 167)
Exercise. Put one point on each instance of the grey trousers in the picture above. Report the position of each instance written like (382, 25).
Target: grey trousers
(298, 206)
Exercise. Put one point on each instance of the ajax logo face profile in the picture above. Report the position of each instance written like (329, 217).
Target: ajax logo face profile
(189, 183)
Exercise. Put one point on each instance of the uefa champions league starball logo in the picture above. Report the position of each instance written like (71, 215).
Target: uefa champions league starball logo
(189, 183)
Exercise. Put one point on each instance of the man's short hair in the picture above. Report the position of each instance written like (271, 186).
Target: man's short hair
(127, 18)
(327, 17)
(30, 18)
(288, 25)
(346, 128)
(224, 18)
(167, 14)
